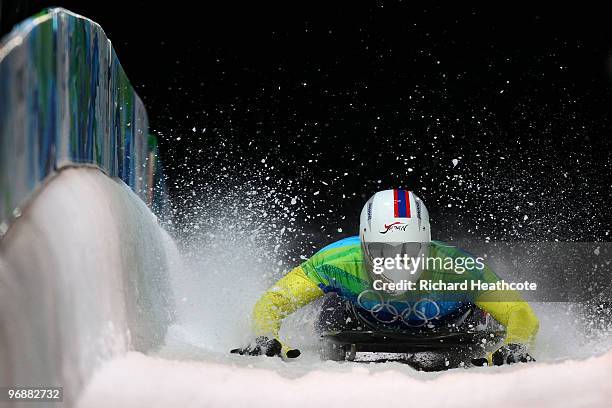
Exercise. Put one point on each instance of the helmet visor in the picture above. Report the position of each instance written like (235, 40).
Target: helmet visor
(392, 249)
(405, 264)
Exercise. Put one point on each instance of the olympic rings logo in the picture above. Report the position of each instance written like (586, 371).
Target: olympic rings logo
(413, 311)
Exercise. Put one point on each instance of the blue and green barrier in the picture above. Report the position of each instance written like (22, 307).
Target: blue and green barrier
(65, 100)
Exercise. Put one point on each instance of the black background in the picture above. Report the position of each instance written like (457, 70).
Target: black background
(349, 98)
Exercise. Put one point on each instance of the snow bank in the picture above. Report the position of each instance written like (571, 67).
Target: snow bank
(143, 381)
(82, 279)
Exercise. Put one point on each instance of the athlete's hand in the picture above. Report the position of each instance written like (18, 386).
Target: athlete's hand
(266, 346)
(507, 354)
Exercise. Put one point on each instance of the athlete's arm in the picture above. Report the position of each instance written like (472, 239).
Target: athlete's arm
(290, 293)
(509, 309)
(515, 314)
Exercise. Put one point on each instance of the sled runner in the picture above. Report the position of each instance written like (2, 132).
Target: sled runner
(424, 351)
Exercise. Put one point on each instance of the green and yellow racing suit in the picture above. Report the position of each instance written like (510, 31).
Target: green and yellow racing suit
(340, 268)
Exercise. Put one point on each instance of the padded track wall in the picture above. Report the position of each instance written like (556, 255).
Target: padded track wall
(65, 99)
(83, 261)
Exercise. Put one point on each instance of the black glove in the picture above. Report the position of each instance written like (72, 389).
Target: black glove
(508, 354)
(264, 345)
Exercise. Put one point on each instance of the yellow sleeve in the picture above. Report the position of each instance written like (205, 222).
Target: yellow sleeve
(290, 293)
(509, 309)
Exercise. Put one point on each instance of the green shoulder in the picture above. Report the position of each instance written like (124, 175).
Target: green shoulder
(344, 255)
(476, 269)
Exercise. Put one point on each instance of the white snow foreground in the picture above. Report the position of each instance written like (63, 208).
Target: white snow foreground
(137, 380)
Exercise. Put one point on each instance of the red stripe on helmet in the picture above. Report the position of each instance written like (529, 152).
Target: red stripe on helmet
(395, 202)
(407, 202)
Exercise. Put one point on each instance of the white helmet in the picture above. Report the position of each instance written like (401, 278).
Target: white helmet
(394, 222)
